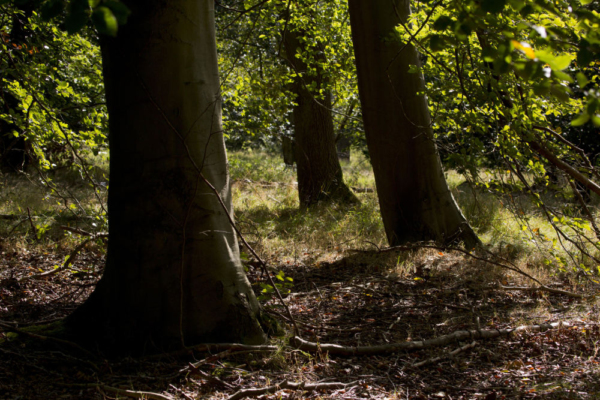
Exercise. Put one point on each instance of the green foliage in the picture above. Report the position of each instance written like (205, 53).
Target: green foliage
(53, 100)
(283, 283)
(256, 76)
(506, 77)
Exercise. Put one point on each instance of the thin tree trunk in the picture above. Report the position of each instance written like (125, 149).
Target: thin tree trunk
(415, 201)
(320, 175)
(173, 274)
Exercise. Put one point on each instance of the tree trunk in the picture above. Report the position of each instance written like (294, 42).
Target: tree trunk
(173, 274)
(415, 201)
(319, 172)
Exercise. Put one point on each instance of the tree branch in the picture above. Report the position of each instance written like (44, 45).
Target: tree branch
(336, 349)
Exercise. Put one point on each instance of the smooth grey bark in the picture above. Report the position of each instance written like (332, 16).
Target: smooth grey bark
(320, 175)
(415, 201)
(173, 274)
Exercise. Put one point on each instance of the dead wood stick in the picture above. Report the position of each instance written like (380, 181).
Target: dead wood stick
(233, 348)
(571, 145)
(548, 155)
(336, 349)
(33, 228)
(76, 230)
(540, 288)
(451, 354)
(309, 387)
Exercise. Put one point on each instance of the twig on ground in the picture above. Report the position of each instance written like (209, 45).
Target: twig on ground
(451, 354)
(233, 348)
(541, 288)
(309, 387)
(181, 392)
(209, 377)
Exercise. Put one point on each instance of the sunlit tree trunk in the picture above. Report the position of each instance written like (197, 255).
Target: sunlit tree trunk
(415, 201)
(319, 172)
(173, 274)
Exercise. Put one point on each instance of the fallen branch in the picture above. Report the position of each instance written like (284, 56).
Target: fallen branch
(336, 349)
(451, 354)
(542, 288)
(362, 190)
(214, 357)
(309, 387)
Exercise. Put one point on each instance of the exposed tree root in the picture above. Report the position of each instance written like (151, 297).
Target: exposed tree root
(336, 349)
(309, 387)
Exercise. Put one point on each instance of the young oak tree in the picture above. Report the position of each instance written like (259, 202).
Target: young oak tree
(173, 275)
(415, 201)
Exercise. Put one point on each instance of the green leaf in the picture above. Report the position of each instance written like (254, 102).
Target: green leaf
(580, 120)
(105, 21)
(119, 9)
(582, 80)
(516, 4)
(555, 62)
(561, 76)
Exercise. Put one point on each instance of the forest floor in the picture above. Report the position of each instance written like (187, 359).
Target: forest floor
(346, 289)
(352, 301)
